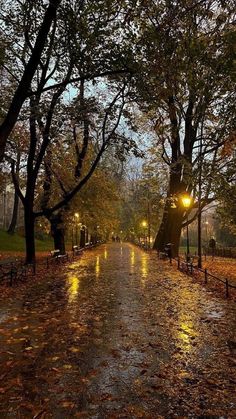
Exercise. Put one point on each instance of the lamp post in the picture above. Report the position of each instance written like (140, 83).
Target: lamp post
(82, 235)
(199, 218)
(144, 225)
(76, 228)
(186, 202)
(149, 224)
(72, 230)
(206, 238)
(97, 238)
(206, 225)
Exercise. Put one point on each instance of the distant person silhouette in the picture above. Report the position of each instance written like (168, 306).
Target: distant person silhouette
(212, 246)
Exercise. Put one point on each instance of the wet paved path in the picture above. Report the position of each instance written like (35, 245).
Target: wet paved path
(118, 335)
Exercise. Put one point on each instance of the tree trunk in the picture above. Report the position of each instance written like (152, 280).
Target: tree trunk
(172, 219)
(58, 232)
(180, 177)
(12, 226)
(82, 237)
(170, 229)
(29, 234)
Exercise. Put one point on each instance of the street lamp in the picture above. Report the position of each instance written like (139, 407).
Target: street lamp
(144, 225)
(97, 234)
(82, 235)
(206, 225)
(76, 227)
(72, 231)
(186, 202)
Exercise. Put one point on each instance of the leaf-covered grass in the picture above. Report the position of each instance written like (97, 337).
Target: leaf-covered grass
(16, 243)
(221, 267)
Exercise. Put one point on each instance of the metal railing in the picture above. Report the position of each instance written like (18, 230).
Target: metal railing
(190, 268)
(225, 252)
(17, 270)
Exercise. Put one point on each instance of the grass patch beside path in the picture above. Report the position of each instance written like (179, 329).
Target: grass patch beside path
(221, 267)
(182, 250)
(16, 243)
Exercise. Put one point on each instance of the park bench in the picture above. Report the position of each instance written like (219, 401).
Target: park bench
(163, 255)
(190, 264)
(76, 250)
(14, 270)
(194, 259)
(57, 256)
(55, 253)
(167, 253)
(8, 273)
(89, 245)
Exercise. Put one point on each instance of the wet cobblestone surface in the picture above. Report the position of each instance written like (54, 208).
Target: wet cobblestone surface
(117, 334)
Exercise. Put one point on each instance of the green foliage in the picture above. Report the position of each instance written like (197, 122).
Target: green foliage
(188, 93)
(98, 202)
(142, 196)
(227, 207)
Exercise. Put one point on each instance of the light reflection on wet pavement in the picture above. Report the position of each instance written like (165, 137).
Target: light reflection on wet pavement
(118, 334)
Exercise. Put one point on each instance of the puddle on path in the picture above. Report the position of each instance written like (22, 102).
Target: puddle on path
(212, 311)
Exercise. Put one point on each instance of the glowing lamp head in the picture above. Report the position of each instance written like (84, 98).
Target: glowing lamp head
(144, 223)
(186, 201)
(77, 215)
